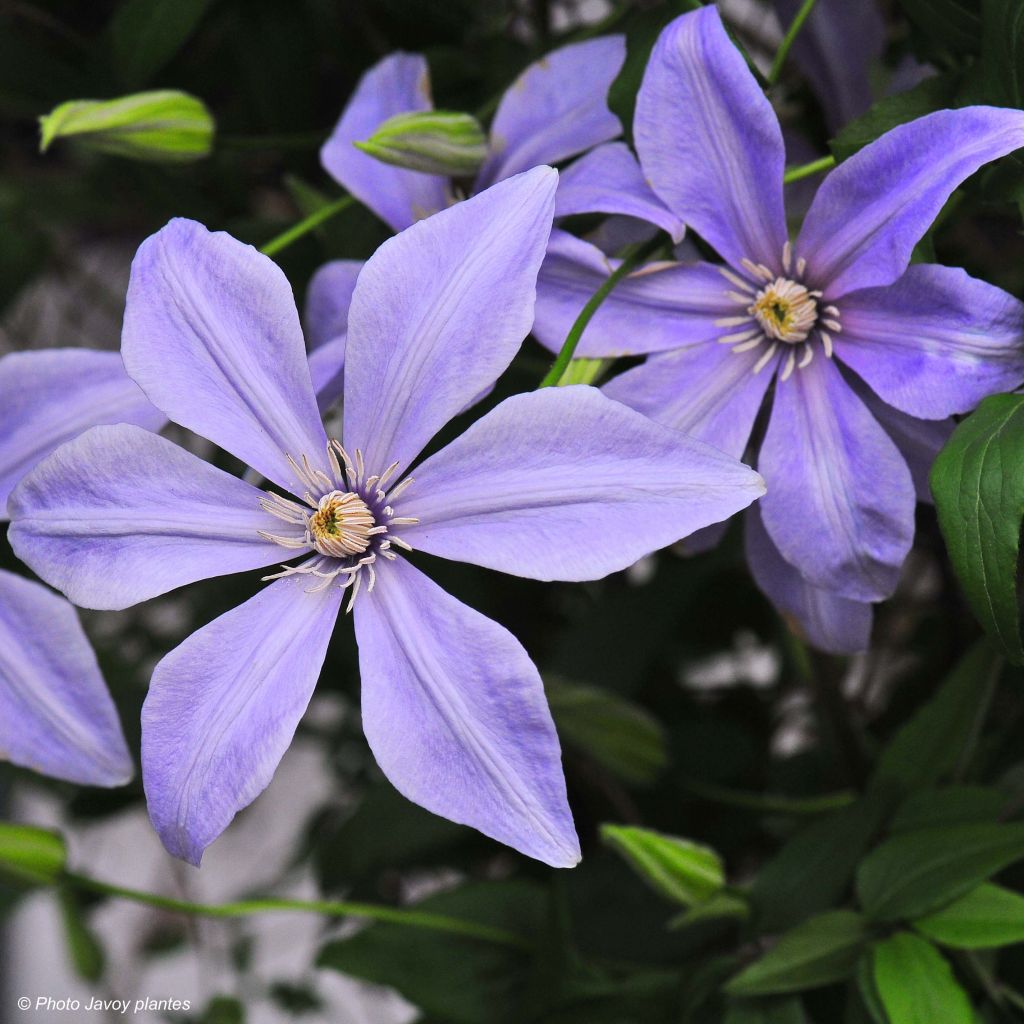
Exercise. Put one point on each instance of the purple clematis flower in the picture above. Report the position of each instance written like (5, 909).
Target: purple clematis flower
(559, 484)
(811, 316)
(56, 716)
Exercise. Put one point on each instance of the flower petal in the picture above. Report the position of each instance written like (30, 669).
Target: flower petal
(56, 716)
(934, 343)
(327, 300)
(825, 619)
(658, 307)
(840, 502)
(223, 707)
(212, 336)
(398, 84)
(556, 108)
(51, 396)
(706, 390)
(872, 209)
(565, 484)
(455, 713)
(327, 371)
(609, 180)
(438, 313)
(120, 515)
(709, 141)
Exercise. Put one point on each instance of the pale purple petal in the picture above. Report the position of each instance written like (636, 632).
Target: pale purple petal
(556, 108)
(609, 180)
(211, 334)
(455, 714)
(934, 343)
(659, 307)
(327, 371)
(120, 515)
(223, 707)
(56, 716)
(398, 84)
(438, 314)
(566, 484)
(840, 501)
(872, 209)
(327, 300)
(825, 619)
(707, 390)
(53, 395)
(709, 141)
(835, 50)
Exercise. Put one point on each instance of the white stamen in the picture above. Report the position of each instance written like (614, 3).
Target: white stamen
(748, 345)
(731, 339)
(732, 321)
(736, 280)
(766, 358)
(790, 366)
(826, 342)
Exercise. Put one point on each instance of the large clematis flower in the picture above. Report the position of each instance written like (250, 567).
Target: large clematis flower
(559, 484)
(818, 317)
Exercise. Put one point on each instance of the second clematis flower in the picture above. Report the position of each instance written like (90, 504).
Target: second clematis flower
(868, 355)
(559, 484)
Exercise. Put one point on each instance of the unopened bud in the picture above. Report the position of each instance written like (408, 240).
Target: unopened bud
(432, 141)
(165, 125)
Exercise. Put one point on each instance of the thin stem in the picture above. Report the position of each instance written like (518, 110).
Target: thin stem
(331, 908)
(572, 339)
(791, 33)
(806, 170)
(314, 220)
(769, 803)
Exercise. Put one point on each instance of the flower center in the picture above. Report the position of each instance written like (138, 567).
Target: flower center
(785, 310)
(341, 525)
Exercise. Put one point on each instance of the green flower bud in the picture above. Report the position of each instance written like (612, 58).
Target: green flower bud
(161, 126)
(432, 141)
(31, 855)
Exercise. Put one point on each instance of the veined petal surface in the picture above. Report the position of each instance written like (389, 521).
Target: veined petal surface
(327, 300)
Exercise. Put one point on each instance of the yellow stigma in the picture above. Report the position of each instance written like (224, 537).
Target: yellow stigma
(342, 525)
(785, 310)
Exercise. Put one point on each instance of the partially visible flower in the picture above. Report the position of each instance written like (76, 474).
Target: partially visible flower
(563, 483)
(810, 316)
(56, 716)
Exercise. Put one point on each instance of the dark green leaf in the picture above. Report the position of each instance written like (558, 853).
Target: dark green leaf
(868, 990)
(978, 484)
(146, 34)
(786, 1010)
(949, 805)
(930, 745)
(721, 906)
(85, 949)
(918, 872)
(677, 868)
(953, 24)
(223, 1010)
(616, 733)
(818, 952)
(29, 854)
(1002, 51)
(985, 918)
(916, 985)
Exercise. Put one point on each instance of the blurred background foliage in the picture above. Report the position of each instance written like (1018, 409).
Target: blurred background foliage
(848, 832)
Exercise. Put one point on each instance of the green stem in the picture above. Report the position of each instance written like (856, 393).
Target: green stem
(769, 803)
(791, 33)
(572, 339)
(314, 220)
(806, 170)
(331, 908)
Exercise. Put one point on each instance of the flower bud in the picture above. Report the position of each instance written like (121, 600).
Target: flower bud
(165, 126)
(432, 141)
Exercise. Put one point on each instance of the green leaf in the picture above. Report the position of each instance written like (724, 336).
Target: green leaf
(1002, 51)
(33, 855)
(916, 985)
(459, 979)
(146, 34)
(813, 870)
(818, 952)
(164, 126)
(948, 805)
(868, 990)
(721, 906)
(918, 872)
(953, 24)
(620, 736)
(936, 93)
(85, 949)
(765, 1011)
(677, 868)
(986, 918)
(978, 484)
(930, 745)
(223, 1010)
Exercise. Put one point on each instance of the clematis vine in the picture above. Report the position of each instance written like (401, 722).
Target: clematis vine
(868, 355)
(560, 484)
